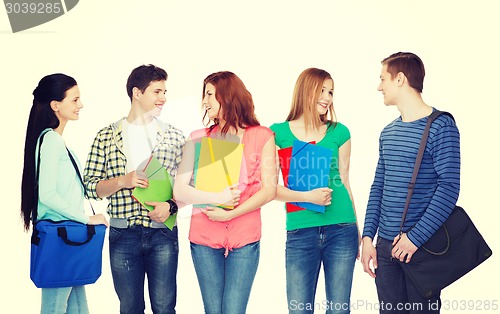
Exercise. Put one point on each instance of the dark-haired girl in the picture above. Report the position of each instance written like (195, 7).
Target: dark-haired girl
(60, 194)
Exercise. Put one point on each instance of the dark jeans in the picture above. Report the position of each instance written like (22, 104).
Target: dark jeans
(137, 251)
(397, 294)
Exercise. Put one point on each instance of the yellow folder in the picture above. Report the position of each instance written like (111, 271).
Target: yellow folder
(219, 165)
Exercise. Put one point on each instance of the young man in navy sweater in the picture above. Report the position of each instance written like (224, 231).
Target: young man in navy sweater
(434, 196)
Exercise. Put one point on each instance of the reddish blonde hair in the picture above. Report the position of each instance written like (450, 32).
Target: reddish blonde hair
(305, 96)
(238, 110)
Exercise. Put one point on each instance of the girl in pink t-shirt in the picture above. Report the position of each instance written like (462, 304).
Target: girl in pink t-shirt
(225, 242)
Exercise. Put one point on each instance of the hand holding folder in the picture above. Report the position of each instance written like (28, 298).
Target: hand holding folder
(309, 169)
(218, 165)
(159, 188)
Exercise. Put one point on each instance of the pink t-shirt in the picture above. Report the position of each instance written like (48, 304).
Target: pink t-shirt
(244, 229)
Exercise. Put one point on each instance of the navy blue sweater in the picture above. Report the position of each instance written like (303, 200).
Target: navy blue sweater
(437, 186)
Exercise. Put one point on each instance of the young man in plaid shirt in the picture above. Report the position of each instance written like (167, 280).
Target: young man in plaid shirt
(139, 242)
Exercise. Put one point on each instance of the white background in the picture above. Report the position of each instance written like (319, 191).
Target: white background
(267, 44)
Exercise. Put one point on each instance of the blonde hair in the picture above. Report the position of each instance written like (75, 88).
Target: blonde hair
(305, 97)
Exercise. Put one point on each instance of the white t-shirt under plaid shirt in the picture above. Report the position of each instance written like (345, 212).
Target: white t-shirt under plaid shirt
(107, 160)
(138, 142)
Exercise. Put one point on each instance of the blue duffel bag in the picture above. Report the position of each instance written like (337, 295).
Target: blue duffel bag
(66, 253)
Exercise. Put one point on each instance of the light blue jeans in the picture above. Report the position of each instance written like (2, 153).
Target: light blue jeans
(334, 246)
(70, 300)
(225, 282)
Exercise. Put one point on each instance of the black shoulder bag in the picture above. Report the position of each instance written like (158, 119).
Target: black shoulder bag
(456, 248)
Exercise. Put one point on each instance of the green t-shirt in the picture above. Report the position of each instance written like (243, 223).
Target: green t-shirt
(341, 209)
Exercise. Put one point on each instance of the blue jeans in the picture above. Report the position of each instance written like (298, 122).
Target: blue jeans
(395, 293)
(225, 282)
(336, 246)
(137, 251)
(70, 300)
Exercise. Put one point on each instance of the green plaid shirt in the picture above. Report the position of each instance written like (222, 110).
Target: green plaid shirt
(106, 160)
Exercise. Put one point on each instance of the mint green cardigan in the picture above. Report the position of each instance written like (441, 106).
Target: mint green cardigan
(60, 190)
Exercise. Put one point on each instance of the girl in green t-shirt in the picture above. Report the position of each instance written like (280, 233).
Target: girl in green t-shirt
(331, 237)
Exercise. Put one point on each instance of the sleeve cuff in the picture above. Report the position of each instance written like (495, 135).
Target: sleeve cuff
(92, 190)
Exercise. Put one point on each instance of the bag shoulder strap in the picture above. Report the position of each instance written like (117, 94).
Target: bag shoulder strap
(418, 161)
(34, 213)
(80, 178)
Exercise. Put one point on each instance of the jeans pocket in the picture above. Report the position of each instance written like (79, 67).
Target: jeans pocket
(293, 231)
(171, 234)
(114, 233)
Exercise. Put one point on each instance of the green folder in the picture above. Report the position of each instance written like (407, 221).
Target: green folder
(159, 188)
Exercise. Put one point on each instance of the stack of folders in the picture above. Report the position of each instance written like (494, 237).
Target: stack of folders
(305, 166)
(159, 188)
(217, 166)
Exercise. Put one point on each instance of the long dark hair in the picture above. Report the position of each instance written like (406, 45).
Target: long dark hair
(51, 87)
